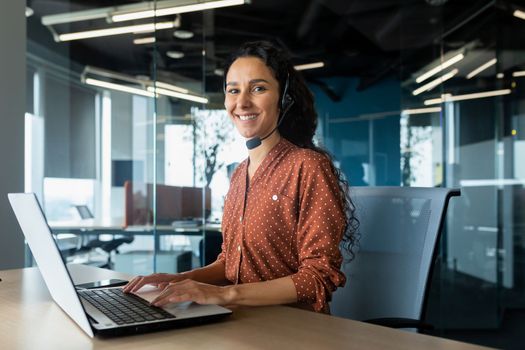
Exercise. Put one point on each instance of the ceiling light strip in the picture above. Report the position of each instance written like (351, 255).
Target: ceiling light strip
(90, 70)
(77, 16)
(434, 101)
(171, 87)
(128, 16)
(312, 65)
(482, 68)
(452, 98)
(142, 41)
(421, 110)
(114, 31)
(520, 73)
(440, 67)
(519, 14)
(119, 87)
(176, 94)
(106, 12)
(429, 86)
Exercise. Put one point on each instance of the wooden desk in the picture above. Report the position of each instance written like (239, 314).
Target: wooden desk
(31, 320)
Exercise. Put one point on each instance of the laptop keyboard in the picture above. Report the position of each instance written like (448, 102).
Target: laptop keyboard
(123, 308)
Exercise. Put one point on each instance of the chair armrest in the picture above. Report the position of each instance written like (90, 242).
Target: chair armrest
(108, 246)
(397, 322)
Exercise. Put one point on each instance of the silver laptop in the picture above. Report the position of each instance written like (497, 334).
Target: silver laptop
(104, 311)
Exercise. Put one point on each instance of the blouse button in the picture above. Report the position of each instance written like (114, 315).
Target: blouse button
(274, 197)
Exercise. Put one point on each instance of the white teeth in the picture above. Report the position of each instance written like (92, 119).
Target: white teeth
(248, 117)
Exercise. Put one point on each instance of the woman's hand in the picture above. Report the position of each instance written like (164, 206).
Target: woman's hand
(159, 280)
(189, 290)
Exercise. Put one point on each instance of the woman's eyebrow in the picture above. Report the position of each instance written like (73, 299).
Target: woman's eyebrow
(253, 81)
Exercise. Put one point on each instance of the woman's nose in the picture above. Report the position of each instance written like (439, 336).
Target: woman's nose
(244, 99)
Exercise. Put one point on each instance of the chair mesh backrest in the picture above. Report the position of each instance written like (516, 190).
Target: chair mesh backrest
(399, 227)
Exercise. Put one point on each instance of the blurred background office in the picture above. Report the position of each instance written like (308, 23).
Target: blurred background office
(112, 113)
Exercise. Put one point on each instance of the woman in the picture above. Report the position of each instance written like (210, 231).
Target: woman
(287, 209)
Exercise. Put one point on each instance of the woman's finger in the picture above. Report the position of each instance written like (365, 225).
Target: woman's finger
(140, 281)
(128, 287)
(188, 290)
(164, 297)
(163, 285)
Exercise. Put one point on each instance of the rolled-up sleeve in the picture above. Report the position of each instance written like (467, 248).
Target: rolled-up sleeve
(320, 229)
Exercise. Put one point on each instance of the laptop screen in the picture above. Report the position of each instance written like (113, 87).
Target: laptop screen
(40, 240)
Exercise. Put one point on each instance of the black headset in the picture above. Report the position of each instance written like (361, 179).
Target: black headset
(286, 103)
(286, 99)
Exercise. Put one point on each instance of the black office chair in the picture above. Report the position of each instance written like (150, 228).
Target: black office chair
(388, 281)
(210, 247)
(109, 246)
(184, 262)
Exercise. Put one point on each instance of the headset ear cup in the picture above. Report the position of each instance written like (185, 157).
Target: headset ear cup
(286, 101)
(286, 98)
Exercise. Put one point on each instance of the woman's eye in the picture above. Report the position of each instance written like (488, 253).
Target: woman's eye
(259, 89)
(233, 91)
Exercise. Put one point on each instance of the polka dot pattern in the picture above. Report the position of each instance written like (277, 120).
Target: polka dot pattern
(288, 222)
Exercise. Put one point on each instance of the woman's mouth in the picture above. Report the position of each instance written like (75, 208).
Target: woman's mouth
(247, 117)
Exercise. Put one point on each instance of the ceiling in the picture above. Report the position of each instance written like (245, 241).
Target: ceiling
(369, 40)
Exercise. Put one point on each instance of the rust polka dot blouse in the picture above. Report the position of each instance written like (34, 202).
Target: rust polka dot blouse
(288, 222)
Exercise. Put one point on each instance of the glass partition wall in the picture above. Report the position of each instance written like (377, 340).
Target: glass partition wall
(466, 135)
(482, 252)
(448, 111)
(114, 128)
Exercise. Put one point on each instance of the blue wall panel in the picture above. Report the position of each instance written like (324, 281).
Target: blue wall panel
(356, 135)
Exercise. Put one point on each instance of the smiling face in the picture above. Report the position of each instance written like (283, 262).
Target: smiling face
(252, 97)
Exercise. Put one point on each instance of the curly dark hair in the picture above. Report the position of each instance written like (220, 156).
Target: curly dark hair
(300, 123)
